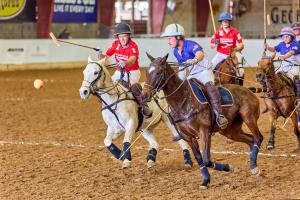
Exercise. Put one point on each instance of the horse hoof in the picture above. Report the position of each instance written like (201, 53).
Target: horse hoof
(204, 185)
(126, 164)
(231, 168)
(255, 171)
(188, 165)
(270, 146)
(150, 164)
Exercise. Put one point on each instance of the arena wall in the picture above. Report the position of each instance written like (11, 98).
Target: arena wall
(44, 54)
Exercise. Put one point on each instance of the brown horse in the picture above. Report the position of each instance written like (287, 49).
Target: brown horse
(279, 98)
(195, 120)
(226, 72)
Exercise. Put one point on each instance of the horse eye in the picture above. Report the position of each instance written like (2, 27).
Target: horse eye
(95, 73)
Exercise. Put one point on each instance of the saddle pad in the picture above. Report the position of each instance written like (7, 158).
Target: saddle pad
(226, 96)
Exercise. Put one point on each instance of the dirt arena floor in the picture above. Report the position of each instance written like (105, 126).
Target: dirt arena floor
(51, 147)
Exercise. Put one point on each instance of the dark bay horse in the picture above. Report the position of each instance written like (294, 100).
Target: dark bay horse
(196, 121)
(227, 71)
(279, 98)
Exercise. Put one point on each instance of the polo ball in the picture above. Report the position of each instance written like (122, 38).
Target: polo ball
(38, 84)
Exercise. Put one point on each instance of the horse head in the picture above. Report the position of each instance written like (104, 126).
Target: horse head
(265, 68)
(94, 77)
(155, 76)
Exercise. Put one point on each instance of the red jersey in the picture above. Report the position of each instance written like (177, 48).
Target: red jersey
(227, 41)
(123, 54)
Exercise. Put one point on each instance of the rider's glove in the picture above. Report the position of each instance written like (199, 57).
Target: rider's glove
(281, 58)
(216, 42)
(99, 53)
(191, 61)
(121, 64)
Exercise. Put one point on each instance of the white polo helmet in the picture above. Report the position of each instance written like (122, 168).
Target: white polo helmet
(173, 30)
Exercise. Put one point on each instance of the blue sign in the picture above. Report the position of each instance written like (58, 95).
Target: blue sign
(75, 11)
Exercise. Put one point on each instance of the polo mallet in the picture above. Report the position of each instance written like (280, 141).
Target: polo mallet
(287, 119)
(212, 16)
(265, 28)
(58, 41)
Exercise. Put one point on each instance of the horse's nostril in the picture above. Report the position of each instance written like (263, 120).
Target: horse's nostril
(85, 92)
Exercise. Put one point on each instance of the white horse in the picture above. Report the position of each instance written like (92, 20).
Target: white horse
(120, 113)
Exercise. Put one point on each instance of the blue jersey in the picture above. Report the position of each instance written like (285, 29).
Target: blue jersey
(189, 50)
(283, 48)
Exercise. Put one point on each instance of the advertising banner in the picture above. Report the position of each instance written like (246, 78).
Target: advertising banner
(11, 8)
(75, 11)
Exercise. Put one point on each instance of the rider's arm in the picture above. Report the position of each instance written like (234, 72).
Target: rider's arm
(130, 61)
(287, 55)
(239, 47)
(270, 48)
(214, 41)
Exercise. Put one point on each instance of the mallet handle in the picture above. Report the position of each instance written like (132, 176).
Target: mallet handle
(212, 15)
(96, 49)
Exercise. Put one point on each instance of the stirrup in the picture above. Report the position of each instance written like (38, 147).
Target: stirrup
(224, 121)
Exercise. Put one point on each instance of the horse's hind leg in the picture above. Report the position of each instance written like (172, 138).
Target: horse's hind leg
(296, 131)
(273, 121)
(206, 144)
(186, 154)
(251, 122)
(151, 157)
(206, 176)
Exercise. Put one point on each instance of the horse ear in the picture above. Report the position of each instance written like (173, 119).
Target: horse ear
(90, 59)
(150, 57)
(165, 58)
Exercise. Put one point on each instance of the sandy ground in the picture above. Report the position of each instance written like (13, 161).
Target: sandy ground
(51, 147)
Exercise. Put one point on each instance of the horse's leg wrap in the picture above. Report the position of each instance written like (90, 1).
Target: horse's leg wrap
(136, 90)
(187, 157)
(254, 149)
(114, 150)
(216, 106)
(152, 155)
(126, 154)
(203, 168)
(297, 85)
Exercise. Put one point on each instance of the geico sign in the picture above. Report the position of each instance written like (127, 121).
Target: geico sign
(283, 15)
(11, 8)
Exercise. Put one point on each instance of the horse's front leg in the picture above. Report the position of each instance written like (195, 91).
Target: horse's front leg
(204, 171)
(153, 148)
(108, 143)
(273, 121)
(130, 129)
(206, 144)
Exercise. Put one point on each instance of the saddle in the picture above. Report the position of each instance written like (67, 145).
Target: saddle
(199, 92)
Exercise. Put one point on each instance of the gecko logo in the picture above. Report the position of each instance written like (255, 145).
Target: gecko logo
(11, 8)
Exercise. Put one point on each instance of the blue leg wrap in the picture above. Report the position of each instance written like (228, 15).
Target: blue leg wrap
(221, 167)
(152, 154)
(187, 157)
(298, 117)
(114, 150)
(205, 173)
(126, 154)
(253, 155)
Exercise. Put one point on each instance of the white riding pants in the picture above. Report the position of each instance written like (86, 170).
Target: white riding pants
(134, 76)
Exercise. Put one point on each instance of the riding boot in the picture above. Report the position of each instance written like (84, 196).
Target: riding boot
(216, 106)
(136, 90)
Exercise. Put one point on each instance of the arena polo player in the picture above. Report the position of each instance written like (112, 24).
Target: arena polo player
(195, 120)
(280, 96)
(120, 113)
